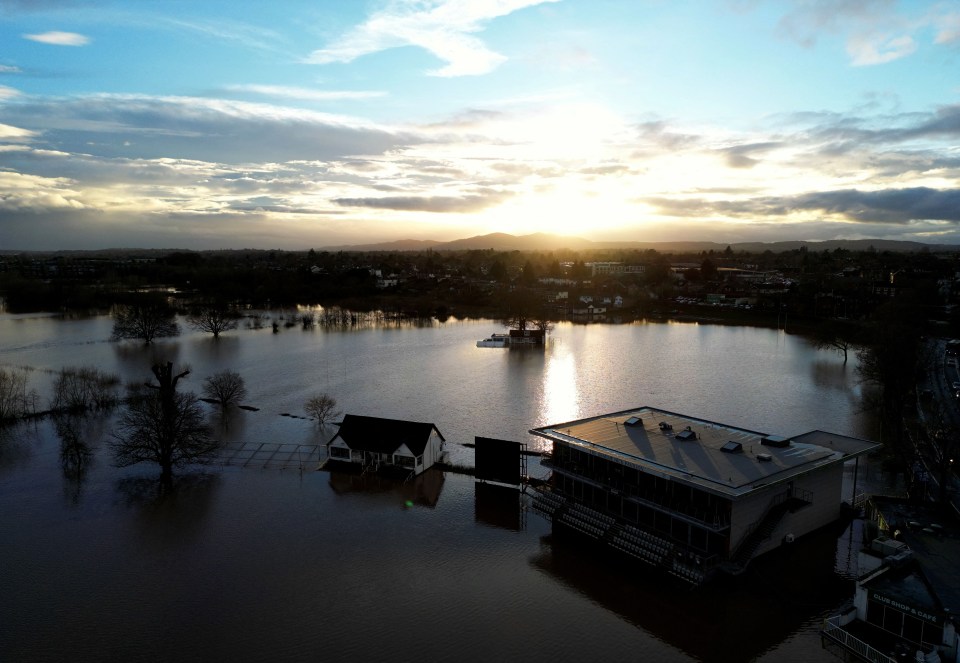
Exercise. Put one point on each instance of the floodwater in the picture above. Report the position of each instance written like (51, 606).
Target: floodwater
(261, 563)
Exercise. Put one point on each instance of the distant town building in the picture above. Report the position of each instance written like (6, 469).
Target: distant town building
(601, 268)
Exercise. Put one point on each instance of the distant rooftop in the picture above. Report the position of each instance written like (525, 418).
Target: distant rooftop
(700, 452)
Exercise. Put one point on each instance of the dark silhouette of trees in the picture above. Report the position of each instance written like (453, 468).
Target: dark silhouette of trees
(146, 319)
(226, 388)
(891, 357)
(213, 318)
(833, 335)
(15, 399)
(81, 389)
(323, 408)
(163, 426)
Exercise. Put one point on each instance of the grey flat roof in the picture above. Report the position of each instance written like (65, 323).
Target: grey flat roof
(700, 461)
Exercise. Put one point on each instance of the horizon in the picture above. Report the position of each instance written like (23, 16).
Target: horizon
(524, 243)
(233, 125)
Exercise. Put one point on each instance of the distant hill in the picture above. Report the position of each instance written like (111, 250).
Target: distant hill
(537, 242)
(549, 242)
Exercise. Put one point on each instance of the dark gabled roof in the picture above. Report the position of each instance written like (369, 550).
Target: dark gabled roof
(384, 435)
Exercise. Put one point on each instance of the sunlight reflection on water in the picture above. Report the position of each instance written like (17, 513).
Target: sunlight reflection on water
(257, 563)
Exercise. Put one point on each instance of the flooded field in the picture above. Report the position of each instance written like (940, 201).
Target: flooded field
(256, 562)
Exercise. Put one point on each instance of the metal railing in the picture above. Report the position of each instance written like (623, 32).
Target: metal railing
(832, 630)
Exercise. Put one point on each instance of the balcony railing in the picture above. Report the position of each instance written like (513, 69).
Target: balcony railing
(832, 630)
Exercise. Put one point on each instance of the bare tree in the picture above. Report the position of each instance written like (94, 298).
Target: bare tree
(15, 400)
(146, 319)
(843, 338)
(86, 388)
(323, 408)
(227, 388)
(163, 426)
(213, 319)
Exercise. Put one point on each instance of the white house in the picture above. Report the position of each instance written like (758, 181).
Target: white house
(374, 443)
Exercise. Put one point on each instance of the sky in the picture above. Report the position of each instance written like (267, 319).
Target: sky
(219, 124)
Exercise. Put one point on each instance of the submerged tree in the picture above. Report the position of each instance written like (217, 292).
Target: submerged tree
(145, 319)
(323, 408)
(227, 388)
(15, 399)
(833, 335)
(213, 319)
(85, 388)
(163, 426)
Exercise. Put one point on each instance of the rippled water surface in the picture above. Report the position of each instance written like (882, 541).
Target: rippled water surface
(254, 563)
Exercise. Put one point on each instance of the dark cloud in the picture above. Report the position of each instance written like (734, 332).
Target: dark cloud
(467, 203)
(658, 134)
(742, 156)
(889, 206)
(849, 132)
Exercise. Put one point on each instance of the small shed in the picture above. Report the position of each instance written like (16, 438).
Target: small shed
(374, 443)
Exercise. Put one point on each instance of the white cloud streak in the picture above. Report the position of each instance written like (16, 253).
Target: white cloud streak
(306, 94)
(56, 38)
(442, 27)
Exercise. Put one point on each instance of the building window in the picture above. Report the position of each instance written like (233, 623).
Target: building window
(403, 461)
(339, 452)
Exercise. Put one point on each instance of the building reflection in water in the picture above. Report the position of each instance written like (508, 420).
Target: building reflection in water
(422, 490)
(731, 619)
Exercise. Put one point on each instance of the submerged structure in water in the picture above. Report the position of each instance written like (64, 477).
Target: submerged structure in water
(690, 496)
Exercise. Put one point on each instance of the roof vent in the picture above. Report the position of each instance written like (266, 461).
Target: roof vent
(686, 435)
(633, 421)
(665, 426)
(732, 447)
(775, 441)
(766, 458)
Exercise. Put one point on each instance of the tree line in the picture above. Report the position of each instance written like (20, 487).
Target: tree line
(157, 423)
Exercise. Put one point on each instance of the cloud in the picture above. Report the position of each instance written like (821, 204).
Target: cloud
(741, 156)
(876, 31)
(8, 93)
(948, 29)
(889, 206)
(201, 129)
(10, 69)
(306, 94)
(461, 204)
(878, 50)
(12, 133)
(442, 27)
(59, 38)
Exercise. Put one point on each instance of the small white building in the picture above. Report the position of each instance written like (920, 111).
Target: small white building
(373, 443)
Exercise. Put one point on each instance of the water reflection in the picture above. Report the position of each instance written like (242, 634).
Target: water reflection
(561, 401)
(498, 506)
(175, 513)
(138, 357)
(729, 620)
(422, 490)
(14, 445)
(219, 350)
(76, 455)
(831, 374)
